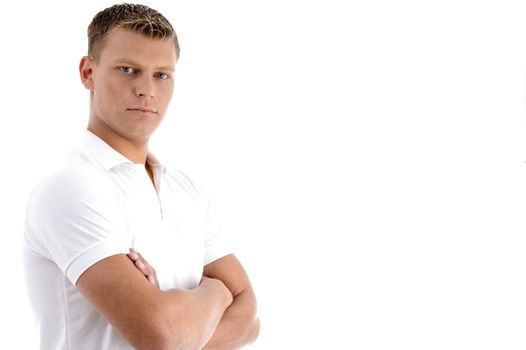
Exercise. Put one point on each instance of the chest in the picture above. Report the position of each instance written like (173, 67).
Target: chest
(167, 227)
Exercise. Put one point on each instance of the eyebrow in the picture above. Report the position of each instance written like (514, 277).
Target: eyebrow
(128, 62)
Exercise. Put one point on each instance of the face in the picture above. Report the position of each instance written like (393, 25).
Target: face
(131, 85)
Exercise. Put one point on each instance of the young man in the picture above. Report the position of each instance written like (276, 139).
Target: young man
(86, 224)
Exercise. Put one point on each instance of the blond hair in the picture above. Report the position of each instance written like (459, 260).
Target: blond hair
(136, 18)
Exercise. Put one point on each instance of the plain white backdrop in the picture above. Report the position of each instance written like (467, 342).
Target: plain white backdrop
(368, 158)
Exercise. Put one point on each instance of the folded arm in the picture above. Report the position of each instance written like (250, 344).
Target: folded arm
(239, 325)
(147, 317)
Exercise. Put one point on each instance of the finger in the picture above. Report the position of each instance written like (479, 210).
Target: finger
(140, 265)
(143, 261)
(144, 267)
(133, 255)
(148, 266)
(151, 278)
(136, 257)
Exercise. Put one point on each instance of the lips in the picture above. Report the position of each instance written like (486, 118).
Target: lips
(142, 109)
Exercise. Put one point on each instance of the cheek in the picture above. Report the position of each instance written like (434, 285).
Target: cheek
(113, 90)
(165, 96)
(110, 95)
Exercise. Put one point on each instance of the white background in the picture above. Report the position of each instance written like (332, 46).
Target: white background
(368, 158)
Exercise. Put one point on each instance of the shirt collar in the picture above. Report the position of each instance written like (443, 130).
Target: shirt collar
(108, 157)
(155, 165)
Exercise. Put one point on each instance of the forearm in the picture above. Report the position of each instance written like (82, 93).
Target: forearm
(193, 317)
(220, 312)
(239, 325)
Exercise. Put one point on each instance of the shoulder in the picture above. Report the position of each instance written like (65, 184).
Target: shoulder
(72, 207)
(71, 181)
(68, 189)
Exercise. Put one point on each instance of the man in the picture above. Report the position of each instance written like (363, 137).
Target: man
(88, 284)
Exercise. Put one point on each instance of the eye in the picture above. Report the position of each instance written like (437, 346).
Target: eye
(161, 75)
(127, 70)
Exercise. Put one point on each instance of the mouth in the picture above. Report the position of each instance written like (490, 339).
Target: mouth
(141, 109)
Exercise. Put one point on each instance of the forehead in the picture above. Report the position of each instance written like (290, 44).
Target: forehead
(122, 44)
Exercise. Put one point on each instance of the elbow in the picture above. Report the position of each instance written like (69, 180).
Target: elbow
(254, 329)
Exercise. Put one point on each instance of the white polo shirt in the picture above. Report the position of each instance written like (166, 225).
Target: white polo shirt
(99, 205)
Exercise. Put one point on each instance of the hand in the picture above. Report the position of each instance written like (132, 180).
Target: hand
(142, 265)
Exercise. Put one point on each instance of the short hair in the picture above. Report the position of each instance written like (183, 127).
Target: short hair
(136, 18)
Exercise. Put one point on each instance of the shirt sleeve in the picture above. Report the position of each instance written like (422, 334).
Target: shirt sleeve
(75, 219)
(216, 242)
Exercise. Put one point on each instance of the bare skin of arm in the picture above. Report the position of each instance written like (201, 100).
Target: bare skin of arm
(147, 317)
(239, 324)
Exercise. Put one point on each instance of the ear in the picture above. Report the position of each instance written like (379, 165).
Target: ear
(86, 72)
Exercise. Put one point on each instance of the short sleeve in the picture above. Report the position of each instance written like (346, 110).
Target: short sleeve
(74, 219)
(216, 242)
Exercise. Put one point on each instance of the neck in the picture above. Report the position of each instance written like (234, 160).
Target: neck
(135, 151)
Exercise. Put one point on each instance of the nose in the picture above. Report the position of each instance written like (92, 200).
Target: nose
(145, 87)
